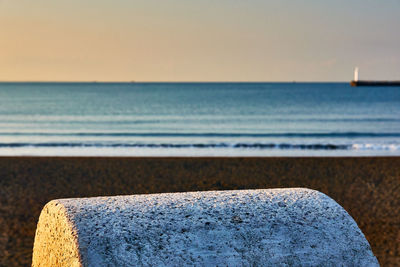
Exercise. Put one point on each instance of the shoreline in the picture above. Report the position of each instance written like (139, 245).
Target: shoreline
(201, 156)
(367, 187)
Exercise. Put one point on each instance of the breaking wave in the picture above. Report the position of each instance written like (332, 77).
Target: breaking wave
(283, 146)
(171, 134)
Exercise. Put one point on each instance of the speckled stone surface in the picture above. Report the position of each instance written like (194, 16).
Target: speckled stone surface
(271, 227)
(56, 242)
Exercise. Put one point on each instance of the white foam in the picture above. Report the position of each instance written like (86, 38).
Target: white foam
(379, 147)
(190, 152)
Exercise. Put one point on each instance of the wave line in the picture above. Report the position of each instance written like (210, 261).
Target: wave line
(172, 134)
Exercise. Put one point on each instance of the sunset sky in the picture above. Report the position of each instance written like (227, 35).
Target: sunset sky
(198, 40)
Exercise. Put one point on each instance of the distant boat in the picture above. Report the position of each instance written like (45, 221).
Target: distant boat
(357, 82)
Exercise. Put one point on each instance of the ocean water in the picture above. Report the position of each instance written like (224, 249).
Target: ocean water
(198, 119)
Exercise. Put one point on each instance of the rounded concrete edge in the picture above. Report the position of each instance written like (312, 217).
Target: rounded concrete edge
(56, 238)
(66, 235)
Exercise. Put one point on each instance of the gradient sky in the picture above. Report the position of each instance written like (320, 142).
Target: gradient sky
(199, 40)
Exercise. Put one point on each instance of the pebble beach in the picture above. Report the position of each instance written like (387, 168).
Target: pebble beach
(367, 187)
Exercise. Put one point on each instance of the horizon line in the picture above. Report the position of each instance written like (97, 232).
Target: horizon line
(134, 81)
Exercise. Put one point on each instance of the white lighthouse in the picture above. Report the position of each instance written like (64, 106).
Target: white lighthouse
(356, 74)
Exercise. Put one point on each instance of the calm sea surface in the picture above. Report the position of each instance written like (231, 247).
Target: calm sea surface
(198, 119)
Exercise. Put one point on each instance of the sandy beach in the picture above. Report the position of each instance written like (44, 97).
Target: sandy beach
(367, 187)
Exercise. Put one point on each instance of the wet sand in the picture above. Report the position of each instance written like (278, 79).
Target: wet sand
(368, 188)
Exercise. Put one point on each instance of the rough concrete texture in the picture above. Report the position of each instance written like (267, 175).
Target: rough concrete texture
(56, 242)
(271, 227)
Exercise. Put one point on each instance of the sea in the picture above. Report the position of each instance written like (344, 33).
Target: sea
(198, 119)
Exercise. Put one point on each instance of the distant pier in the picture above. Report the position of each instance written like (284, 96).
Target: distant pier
(357, 82)
(375, 83)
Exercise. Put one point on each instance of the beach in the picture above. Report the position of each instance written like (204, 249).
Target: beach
(367, 187)
(145, 97)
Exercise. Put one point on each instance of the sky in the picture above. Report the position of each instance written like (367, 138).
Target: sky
(199, 40)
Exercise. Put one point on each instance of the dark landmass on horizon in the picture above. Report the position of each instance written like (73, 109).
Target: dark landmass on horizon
(374, 83)
(367, 187)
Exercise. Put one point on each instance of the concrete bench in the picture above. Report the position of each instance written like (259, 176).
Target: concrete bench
(271, 227)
